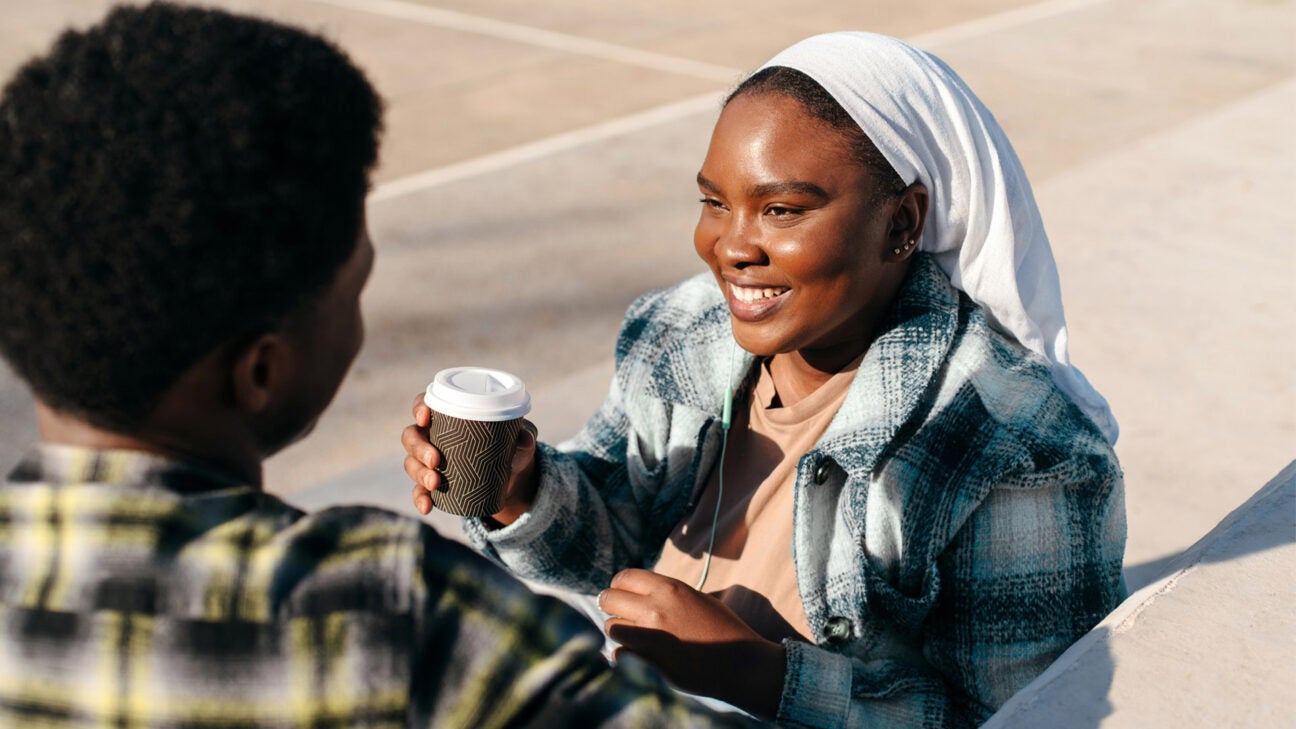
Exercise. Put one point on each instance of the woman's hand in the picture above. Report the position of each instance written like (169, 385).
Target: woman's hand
(422, 458)
(701, 645)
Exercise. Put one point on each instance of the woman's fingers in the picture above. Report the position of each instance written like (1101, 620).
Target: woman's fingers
(649, 643)
(422, 500)
(615, 603)
(415, 442)
(422, 476)
(421, 457)
(422, 413)
(644, 582)
(638, 596)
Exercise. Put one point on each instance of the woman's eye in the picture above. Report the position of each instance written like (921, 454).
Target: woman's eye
(711, 202)
(781, 212)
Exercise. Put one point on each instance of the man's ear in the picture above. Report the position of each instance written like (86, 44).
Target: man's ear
(260, 369)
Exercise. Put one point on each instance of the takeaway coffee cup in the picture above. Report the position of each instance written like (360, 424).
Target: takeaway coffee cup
(476, 415)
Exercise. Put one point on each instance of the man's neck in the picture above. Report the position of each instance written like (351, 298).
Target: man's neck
(61, 428)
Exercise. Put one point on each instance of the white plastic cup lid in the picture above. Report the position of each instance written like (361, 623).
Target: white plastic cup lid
(478, 393)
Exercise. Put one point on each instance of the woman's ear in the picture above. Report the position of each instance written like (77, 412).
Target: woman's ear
(908, 220)
(260, 368)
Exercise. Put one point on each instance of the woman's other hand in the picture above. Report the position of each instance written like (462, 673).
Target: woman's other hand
(701, 645)
(422, 459)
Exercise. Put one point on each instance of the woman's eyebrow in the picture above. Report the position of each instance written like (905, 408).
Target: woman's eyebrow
(790, 187)
(706, 184)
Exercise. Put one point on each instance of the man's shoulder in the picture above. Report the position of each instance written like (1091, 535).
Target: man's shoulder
(366, 558)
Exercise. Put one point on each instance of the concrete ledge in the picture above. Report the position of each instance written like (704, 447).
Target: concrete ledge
(1211, 643)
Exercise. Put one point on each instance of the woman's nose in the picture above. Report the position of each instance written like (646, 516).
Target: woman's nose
(739, 245)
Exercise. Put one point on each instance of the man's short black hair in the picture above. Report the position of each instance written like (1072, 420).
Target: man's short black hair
(171, 179)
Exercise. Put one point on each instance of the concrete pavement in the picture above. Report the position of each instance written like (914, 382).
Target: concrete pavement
(561, 139)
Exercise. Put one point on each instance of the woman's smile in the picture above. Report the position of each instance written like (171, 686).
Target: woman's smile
(750, 302)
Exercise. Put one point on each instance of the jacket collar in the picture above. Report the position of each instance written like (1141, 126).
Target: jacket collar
(899, 371)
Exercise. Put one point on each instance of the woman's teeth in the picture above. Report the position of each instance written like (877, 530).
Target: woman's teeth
(750, 295)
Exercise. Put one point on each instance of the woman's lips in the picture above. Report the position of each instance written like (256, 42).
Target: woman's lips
(753, 303)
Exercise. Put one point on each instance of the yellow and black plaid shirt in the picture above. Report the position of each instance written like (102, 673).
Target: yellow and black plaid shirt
(140, 592)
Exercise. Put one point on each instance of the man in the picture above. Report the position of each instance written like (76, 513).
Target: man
(183, 251)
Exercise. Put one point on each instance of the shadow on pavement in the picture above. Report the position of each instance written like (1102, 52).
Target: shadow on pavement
(1277, 496)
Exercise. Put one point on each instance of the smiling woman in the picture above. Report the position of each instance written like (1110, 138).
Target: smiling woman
(915, 507)
(798, 237)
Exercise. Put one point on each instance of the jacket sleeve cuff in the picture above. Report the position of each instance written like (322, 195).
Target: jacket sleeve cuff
(527, 529)
(816, 687)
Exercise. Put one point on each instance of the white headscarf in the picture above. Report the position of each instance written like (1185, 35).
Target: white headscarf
(983, 226)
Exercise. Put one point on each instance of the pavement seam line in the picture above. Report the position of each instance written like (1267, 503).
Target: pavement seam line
(454, 20)
(547, 146)
(1001, 21)
(673, 111)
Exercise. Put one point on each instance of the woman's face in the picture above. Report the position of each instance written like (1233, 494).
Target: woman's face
(793, 232)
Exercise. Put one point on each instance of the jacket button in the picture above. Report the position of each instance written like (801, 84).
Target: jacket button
(823, 470)
(837, 630)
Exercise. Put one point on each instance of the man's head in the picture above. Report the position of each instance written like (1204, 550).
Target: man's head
(177, 181)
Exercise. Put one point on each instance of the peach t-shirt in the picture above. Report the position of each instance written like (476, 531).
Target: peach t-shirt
(751, 568)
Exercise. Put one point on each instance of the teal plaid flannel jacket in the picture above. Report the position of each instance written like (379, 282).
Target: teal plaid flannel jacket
(958, 525)
(138, 592)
